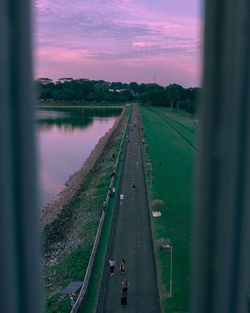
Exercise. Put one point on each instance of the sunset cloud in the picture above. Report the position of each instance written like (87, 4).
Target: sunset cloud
(111, 30)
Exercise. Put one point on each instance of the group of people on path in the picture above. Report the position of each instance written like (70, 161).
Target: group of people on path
(124, 283)
(112, 263)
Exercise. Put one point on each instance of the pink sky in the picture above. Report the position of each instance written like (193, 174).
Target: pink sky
(119, 40)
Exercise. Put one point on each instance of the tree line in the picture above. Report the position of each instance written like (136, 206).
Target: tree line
(100, 91)
(173, 96)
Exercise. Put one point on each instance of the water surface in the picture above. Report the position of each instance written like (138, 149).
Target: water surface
(66, 138)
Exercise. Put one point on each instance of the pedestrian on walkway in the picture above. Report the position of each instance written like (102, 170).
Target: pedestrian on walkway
(137, 164)
(122, 266)
(112, 266)
(113, 191)
(133, 184)
(72, 301)
(121, 198)
(125, 284)
(123, 299)
(104, 205)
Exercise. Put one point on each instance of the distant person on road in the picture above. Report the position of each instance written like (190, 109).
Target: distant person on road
(72, 301)
(104, 205)
(123, 299)
(125, 285)
(110, 192)
(133, 185)
(137, 164)
(113, 191)
(121, 198)
(112, 266)
(122, 266)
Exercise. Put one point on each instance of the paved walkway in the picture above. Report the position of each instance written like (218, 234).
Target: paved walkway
(132, 240)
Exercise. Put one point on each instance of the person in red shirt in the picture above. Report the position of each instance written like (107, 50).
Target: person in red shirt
(133, 185)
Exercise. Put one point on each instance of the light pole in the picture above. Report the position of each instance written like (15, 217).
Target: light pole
(171, 270)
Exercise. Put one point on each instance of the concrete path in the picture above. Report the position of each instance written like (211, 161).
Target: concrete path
(132, 240)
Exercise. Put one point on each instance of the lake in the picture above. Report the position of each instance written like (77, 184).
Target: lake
(66, 137)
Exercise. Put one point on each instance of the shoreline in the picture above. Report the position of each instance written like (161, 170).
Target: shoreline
(82, 106)
(68, 240)
(51, 210)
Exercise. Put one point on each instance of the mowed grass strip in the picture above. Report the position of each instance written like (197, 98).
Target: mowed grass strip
(182, 117)
(172, 161)
(182, 124)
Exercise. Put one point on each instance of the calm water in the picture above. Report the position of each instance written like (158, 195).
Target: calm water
(65, 139)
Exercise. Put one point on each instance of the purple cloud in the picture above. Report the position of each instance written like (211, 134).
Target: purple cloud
(116, 30)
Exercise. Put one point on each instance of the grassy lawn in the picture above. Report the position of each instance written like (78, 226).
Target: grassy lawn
(181, 117)
(180, 122)
(172, 162)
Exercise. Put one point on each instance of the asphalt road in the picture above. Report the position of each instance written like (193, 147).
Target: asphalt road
(132, 240)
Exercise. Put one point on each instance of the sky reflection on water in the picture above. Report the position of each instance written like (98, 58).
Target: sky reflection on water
(65, 141)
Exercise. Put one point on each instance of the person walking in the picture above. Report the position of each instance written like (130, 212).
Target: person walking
(125, 285)
(133, 185)
(104, 205)
(121, 198)
(110, 194)
(122, 266)
(72, 301)
(112, 266)
(123, 298)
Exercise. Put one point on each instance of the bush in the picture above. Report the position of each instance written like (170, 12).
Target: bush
(157, 204)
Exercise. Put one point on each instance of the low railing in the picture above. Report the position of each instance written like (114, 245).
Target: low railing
(97, 238)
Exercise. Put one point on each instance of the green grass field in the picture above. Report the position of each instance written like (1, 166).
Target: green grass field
(172, 161)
